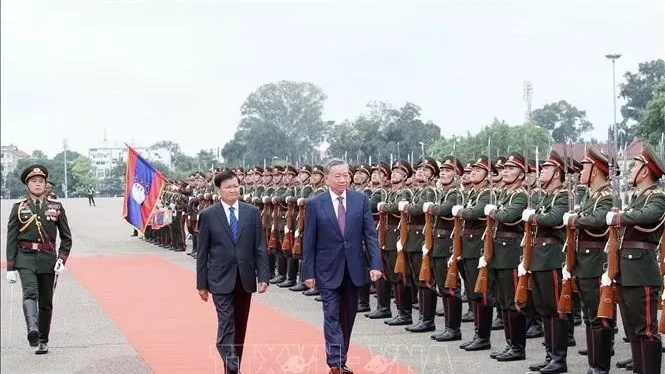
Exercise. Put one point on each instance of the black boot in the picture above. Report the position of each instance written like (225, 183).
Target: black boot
(506, 334)
(559, 354)
(517, 323)
(30, 312)
(291, 273)
(497, 323)
(453, 310)
(382, 301)
(300, 286)
(363, 299)
(547, 331)
(571, 330)
(600, 351)
(652, 356)
(535, 329)
(418, 306)
(636, 363)
(427, 310)
(484, 323)
(469, 315)
(472, 308)
(404, 304)
(589, 350)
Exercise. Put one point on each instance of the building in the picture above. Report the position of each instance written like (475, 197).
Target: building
(10, 156)
(103, 160)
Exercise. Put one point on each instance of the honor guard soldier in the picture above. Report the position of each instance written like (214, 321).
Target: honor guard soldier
(642, 223)
(591, 231)
(546, 263)
(50, 185)
(450, 172)
(286, 197)
(31, 252)
(361, 178)
(319, 183)
(305, 191)
(532, 184)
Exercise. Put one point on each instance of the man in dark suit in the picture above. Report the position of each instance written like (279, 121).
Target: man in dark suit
(231, 256)
(340, 255)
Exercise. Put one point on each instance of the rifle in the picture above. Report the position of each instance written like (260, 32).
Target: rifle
(568, 287)
(426, 265)
(265, 221)
(522, 289)
(400, 263)
(274, 231)
(483, 280)
(287, 243)
(297, 240)
(383, 222)
(458, 227)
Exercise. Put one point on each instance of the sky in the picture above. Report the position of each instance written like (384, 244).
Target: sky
(156, 70)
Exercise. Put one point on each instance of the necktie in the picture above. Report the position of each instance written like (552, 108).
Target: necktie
(341, 214)
(37, 204)
(233, 224)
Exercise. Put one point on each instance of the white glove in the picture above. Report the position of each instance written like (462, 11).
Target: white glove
(566, 274)
(300, 201)
(272, 228)
(402, 205)
(286, 230)
(274, 200)
(246, 197)
(191, 198)
(265, 199)
(426, 206)
(172, 205)
(399, 246)
(577, 207)
(296, 233)
(605, 280)
(609, 217)
(11, 276)
(450, 261)
(380, 205)
(489, 208)
(425, 250)
(521, 270)
(456, 209)
(481, 262)
(59, 267)
(567, 216)
(527, 213)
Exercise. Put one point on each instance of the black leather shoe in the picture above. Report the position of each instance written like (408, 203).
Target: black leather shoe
(311, 292)
(503, 351)
(479, 345)
(299, 288)
(33, 337)
(511, 355)
(622, 363)
(363, 308)
(468, 316)
(380, 313)
(400, 320)
(277, 279)
(422, 326)
(42, 348)
(583, 351)
(287, 283)
(440, 312)
(448, 335)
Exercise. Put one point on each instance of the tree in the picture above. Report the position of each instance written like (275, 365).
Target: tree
(81, 176)
(114, 183)
(652, 124)
(638, 88)
(564, 121)
(39, 155)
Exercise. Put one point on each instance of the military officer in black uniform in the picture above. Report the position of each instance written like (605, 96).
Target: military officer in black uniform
(31, 252)
(640, 280)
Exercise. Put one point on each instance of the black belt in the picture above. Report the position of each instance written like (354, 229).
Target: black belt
(36, 246)
(508, 234)
(591, 245)
(546, 241)
(639, 245)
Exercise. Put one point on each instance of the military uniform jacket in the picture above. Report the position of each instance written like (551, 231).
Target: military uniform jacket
(444, 222)
(417, 217)
(644, 223)
(474, 222)
(379, 194)
(392, 207)
(509, 230)
(550, 236)
(592, 233)
(27, 223)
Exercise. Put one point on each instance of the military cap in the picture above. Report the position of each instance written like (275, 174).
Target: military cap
(268, 170)
(597, 159)
(555, 160)
(405, 166)
(258, 169)
(318, 169)
(382, 167)
(51, 183)
(450, 162)
(430, 163)
(352, 169)
(577, 166)
(484, 163)
(34, 171)
(366, 168)
(499, 162)
(278, 169)
(651, 160)
(467, 167)
(516, 159)
(532, 165)
(306, 169)
(239, 169)
(290, 169)
(191, 177)
(217, 170)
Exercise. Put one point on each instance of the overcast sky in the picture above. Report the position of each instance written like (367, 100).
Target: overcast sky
(152, 70)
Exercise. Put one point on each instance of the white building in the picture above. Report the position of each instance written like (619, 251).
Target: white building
(103, 160)
(10, 154)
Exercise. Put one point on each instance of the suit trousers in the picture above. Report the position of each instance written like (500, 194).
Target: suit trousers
(340, 306)
(232, 314)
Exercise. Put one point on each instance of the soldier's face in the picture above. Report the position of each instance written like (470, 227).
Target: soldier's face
(638, 172)
(466, 177)
(266, 178)
(360, 177)
(37, 185)
(287, 178)
(48, 189)
(376, 176)
(317, 178)
(510, 174)
(302, 177)
(277, 178)
(338, 178)
(478, 175)
(397, 176)
(446, 176)
(546, 173)
(585, 177)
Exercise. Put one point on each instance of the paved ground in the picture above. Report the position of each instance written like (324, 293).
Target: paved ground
(95, 321)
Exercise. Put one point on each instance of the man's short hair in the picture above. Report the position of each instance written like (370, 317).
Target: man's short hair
(224, 175)
(332, 163)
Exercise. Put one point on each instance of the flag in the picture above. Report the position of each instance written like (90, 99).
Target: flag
(143, 186)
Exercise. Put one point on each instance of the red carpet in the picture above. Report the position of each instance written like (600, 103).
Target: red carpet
(155, 304)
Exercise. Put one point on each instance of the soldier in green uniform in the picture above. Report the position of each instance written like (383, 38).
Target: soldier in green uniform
(507, 251)
(424, 191)
(277, 222)
(534, 320)
(591, 229)
(547, 261)
(49, 190)
(380, 183)
(286, 197)
(305, 190)
(450, 195)
(474, 226)
(642, 223)
(361, 183)
(319, 184)
(33, 226)
(400, 172)
(499, 190)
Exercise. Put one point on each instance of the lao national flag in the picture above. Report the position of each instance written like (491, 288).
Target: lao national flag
(143, 185)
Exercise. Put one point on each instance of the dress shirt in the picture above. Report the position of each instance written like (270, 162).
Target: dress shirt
(228, 212)
(335, 202)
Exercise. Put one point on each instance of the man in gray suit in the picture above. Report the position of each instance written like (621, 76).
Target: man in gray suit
(231, 257)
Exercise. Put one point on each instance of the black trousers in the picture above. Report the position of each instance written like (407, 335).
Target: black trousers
(505, 283)
(39, 287)
(232, 314)
(91, 200)
(546, 291)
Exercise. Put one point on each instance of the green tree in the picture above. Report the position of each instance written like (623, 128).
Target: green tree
(81, 176)
(564, 121)
(652, 124)
(114, 183)
(638, 88)
(39, 155)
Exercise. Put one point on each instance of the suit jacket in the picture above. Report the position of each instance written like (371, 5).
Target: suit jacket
(220, 260)
(327, 251)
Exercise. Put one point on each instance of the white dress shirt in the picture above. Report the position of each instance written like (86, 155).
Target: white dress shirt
(335, 202)
(228, 212)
